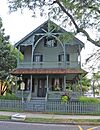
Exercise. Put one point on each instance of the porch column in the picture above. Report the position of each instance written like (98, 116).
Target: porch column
(74, 87)
(32, 51)
(47, 83)
(18, 60)
(79, 55)
(81, 85)
(31, 87)
(64, 88)
(64, 56)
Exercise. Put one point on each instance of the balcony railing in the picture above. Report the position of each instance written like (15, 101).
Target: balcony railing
(72, 64)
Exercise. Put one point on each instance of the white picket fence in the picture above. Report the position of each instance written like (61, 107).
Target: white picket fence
(51, 106)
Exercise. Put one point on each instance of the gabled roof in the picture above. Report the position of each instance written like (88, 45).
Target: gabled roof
(45, 26)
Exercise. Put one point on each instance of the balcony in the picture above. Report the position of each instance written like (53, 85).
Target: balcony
(49, 64)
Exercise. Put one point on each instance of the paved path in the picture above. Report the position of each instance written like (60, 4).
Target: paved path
(52, 116)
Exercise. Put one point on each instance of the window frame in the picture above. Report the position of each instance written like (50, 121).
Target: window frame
(61, 57)
(38, 58)
(52, 42)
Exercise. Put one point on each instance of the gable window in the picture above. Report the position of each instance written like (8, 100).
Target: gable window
(49, 42)
(38, 58)
(61, 57)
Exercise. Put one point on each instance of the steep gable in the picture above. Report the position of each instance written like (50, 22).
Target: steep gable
(47, 28)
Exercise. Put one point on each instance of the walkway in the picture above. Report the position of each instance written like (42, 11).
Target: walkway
(50, 116)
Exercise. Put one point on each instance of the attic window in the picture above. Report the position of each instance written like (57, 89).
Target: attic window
(50, 42)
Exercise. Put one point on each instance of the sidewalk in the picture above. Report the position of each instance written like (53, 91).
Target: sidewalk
(50, 116)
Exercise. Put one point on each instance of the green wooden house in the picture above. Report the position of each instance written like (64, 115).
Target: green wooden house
(52, 63)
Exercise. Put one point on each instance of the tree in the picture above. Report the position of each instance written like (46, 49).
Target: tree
(8, 54)
(8, 60)
(85, 83)
(95, 82)
(79, 14)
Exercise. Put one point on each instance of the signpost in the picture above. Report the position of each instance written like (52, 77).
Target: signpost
(22, 88)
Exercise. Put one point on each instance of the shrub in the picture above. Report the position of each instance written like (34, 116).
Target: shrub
(65, 98)
(89, 99)
(9, 97)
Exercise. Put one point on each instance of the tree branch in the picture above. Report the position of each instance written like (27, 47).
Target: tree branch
(68, 14)
(94, 8)
(79, 30)
(97, 43)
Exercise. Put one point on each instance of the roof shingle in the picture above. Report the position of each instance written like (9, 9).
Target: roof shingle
(47, 71)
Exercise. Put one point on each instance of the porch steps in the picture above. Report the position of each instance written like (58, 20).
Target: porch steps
(36, 104)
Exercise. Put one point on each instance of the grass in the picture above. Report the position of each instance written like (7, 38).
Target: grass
(51, 120)
(4, 117)
(51, 113)
(64, 121)
(89, 99)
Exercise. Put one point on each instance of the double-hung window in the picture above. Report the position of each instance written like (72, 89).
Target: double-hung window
(38, 58)
(61, 57)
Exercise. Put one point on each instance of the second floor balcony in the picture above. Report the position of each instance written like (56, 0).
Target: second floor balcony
(49, 64)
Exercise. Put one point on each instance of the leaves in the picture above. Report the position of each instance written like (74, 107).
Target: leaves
(80, 13)
(8, 57)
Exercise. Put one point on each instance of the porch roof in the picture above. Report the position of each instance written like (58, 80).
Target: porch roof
(48, 71)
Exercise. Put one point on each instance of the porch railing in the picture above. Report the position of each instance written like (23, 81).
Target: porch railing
(56, 95)
(49, 64)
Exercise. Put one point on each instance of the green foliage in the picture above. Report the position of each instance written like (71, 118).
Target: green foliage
(89, 99)
(8, 55)
(82, 11)
(66, 37)
(85, 83)
(9, 97)
(65, 98)
(76, 15)
(8, 61)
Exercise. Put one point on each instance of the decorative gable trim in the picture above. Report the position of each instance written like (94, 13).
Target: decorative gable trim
(29, 39)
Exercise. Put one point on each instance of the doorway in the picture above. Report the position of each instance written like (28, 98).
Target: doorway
(41, 88)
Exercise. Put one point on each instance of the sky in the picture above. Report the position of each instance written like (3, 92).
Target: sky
(18, 24)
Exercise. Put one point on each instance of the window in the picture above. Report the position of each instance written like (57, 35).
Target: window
(67, 57)
(57, 84)
(61, 57)
(38, 58)
(50, 42)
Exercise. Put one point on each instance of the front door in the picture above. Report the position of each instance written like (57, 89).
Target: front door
(41, 88)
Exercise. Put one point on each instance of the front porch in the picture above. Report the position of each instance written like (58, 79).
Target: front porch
(47, 87)
(37, 86)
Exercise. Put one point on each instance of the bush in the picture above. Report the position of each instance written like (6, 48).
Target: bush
(65, 98)
(89, 99)
(9, 97)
